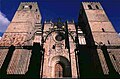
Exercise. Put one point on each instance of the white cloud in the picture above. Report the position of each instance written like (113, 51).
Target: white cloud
(119, 34)
(4, 22)
(0, 38)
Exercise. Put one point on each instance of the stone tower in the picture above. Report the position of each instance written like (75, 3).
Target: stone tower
(100, 33)
(18, 38)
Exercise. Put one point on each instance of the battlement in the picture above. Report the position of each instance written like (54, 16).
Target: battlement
(28, 6)
(29, 2)
(90, 2)
(92, 5)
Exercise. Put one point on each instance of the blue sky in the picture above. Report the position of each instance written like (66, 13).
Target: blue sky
(66, 9)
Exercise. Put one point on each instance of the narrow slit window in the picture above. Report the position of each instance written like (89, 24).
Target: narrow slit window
(108, 42)
(103, 30)
(114, 57)
(89, 6)
(97, 7)
(53, 47)
(36, 10)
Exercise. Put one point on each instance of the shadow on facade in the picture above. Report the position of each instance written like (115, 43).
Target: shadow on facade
(3, 70)
(89, 65)
(35, 62)
(34, 66)
(112, 71)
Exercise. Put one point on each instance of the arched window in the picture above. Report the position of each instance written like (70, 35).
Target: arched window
(30, 6)
(58, 70)
(97, 7)
(22, 7)
(89, 6)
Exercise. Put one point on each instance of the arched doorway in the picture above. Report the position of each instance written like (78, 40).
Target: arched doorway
(58, 70)
(61, 67)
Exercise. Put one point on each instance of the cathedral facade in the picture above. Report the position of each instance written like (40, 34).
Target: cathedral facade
(88, 49)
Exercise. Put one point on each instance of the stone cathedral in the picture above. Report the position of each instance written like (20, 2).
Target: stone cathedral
(87, 49)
